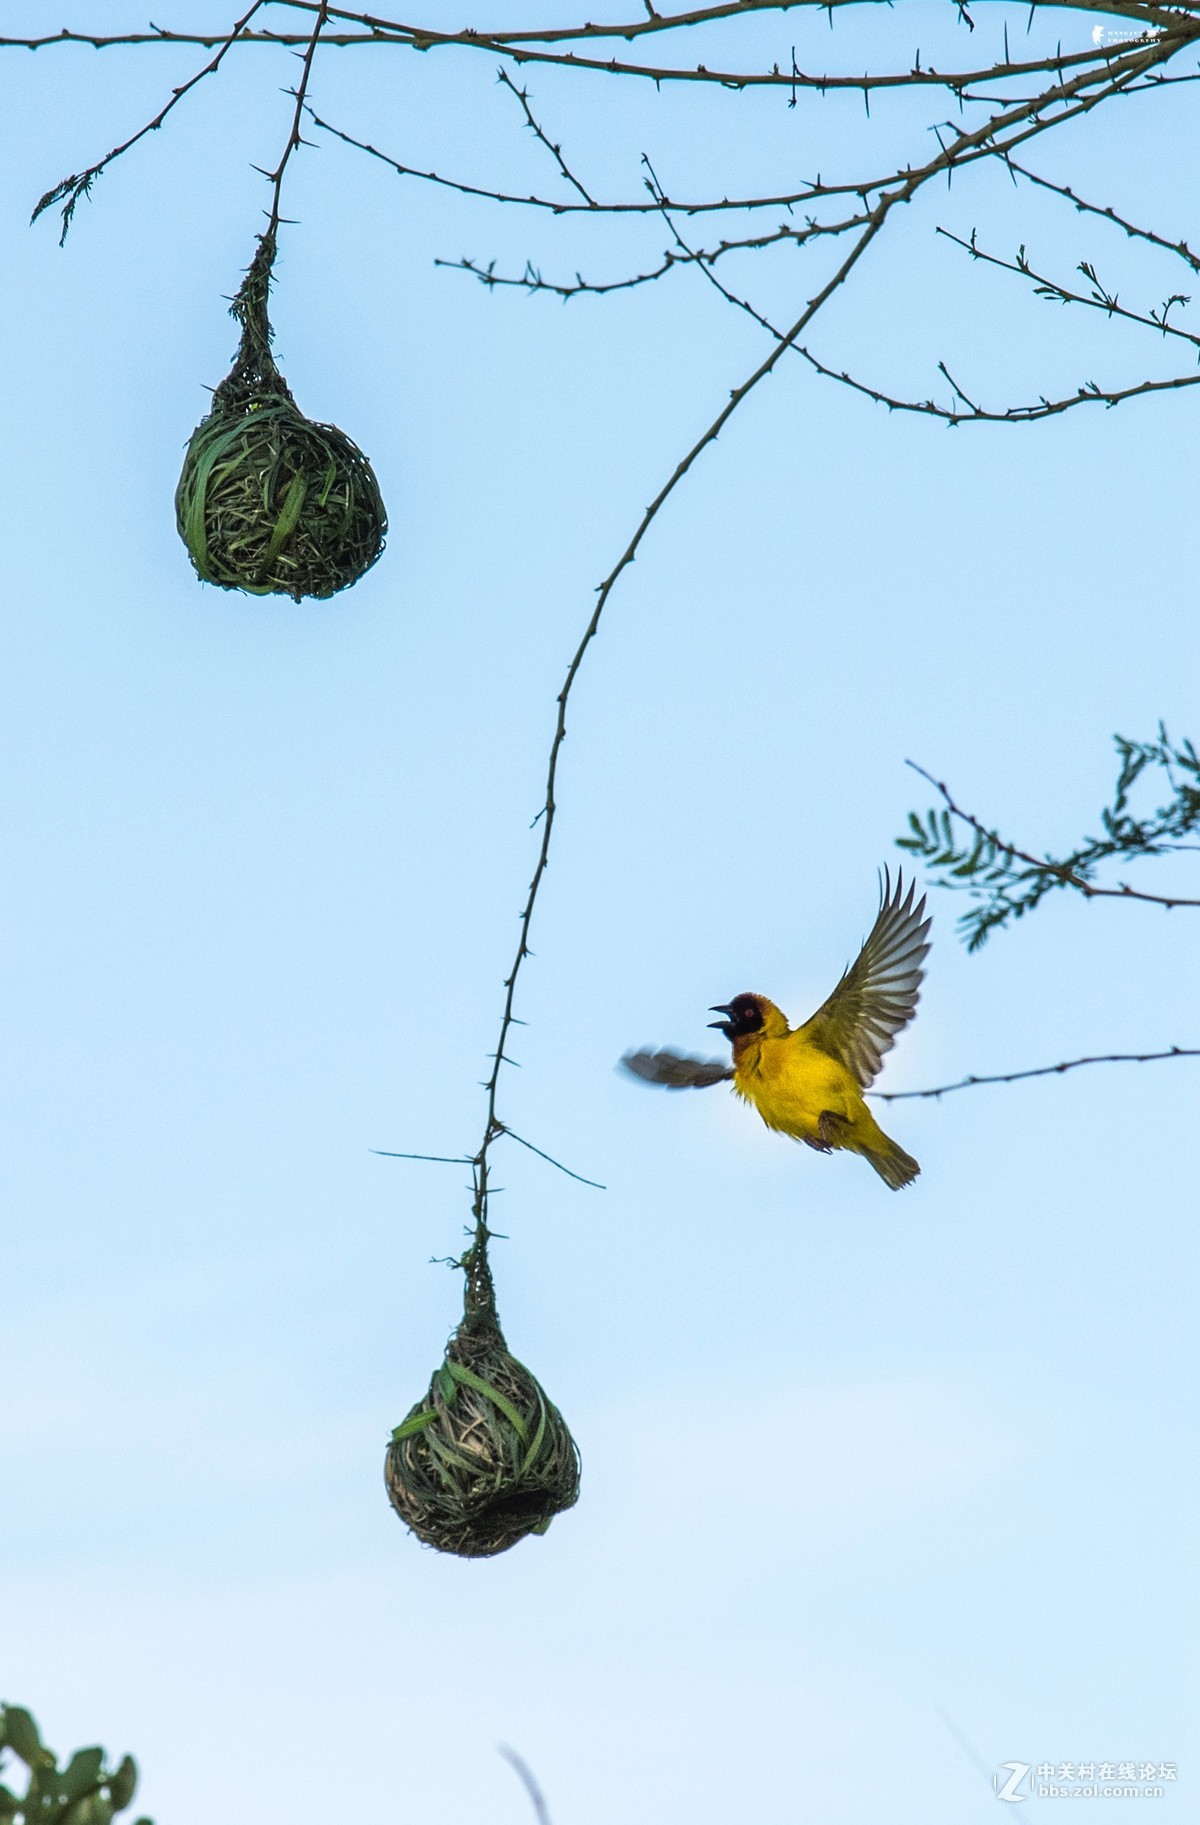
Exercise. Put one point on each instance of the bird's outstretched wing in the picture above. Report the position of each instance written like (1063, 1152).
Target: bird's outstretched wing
(877, 996)
(675, 1070)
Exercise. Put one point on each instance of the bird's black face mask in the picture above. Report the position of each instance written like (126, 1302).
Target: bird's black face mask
(745, 1016)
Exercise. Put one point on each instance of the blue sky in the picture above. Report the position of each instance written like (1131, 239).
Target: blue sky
(854, 1464)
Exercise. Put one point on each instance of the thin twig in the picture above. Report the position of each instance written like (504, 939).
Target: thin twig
(705, 261)
(786, 200)
(555, 152)
(1012, 1077)
(1179, 248)
(437, 1159)
(531, 280)
(1091, 394)
(537, 1798)
(549, 1158)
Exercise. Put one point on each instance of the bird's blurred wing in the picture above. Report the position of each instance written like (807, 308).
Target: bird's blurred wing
(675, 1070)
(877, 996)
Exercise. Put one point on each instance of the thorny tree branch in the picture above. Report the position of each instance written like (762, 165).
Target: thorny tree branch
(1170, 29)
(531, 279)
(1097, 65)
(1012, 1077)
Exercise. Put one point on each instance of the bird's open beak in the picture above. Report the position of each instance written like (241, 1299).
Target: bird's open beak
(719, 1024)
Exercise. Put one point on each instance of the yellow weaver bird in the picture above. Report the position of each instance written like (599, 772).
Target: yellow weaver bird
(809, 1082)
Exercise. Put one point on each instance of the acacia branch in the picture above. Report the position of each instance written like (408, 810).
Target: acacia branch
(1012, 1077)
(112, 41)
(1149, 17)
(518, 47)
(550, 1160)
(1075, 84)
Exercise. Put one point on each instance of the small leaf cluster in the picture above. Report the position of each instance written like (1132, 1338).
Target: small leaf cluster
(1007, 883)
(70, 193)
(984, 864)
(84, 1792)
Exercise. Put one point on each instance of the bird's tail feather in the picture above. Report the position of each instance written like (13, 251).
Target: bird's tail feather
(895, 1167)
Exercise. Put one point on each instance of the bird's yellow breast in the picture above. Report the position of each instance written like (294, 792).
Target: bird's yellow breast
(792, 1083)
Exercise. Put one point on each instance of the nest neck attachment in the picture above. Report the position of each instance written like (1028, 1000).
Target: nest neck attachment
(254, 374)
(480, 1291)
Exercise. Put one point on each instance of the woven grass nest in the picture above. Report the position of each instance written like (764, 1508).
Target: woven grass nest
(486, 1457)
(268, 501)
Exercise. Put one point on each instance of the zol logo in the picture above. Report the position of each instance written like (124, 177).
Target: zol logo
(1006, 1788)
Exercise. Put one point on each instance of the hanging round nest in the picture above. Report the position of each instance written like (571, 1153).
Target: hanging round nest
(268, 501)
(486, 1457)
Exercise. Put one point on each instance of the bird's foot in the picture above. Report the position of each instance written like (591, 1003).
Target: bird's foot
(829, 1127)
